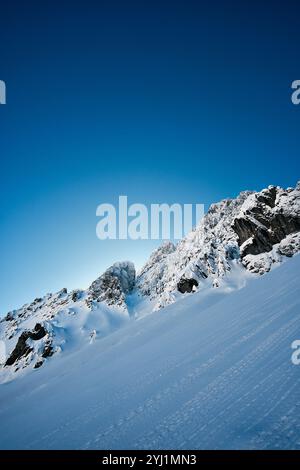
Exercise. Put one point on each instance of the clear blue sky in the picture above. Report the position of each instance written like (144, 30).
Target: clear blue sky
(163, 101)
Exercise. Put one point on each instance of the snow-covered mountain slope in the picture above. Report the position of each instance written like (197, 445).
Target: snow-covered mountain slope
(211, 371)
(248, 234)
(64, 321)
(255, 228)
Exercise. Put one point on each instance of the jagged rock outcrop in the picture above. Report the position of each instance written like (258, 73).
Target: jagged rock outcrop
(113, 286)
(35, 332)
(205, 253)
(22, 349)
(77, 295)
(38, 364)
(255, 230)
(151, 279)
(187, 285)
(48, 350)
(266, 219)
(262, 263)
(290, 245)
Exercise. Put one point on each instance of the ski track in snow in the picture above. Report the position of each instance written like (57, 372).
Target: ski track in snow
(211, 375)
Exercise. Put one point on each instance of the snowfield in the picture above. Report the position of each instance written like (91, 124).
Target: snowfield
(211, 371)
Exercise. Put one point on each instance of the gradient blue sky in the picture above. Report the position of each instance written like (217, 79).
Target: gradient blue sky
(163, 101)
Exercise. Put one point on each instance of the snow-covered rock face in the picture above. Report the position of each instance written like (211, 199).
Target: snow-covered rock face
(236, 237)
(268, 227)
(253, 231)
(266, 219)
(28, 332)
(205, 253)
(113, 286)
(58, 322)
(151, 279)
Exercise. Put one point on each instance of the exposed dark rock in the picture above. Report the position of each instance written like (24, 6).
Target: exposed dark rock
(38, 364)
(260, 237)
(268, 196)
(75, 296)
(9, 317)
(48, 350)
(63, 291)
(38, 333)
(113, 286)
(266, 222)
(186, 285)
(201, 272)
(290, 245)
(22, 349)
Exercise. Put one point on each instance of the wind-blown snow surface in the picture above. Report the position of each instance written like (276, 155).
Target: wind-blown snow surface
(207, 372)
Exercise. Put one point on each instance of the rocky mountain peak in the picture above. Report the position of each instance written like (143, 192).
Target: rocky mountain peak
(113, 286)
(253, 230)
(265, 223)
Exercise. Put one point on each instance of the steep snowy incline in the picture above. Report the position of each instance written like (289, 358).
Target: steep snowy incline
(207, 372)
